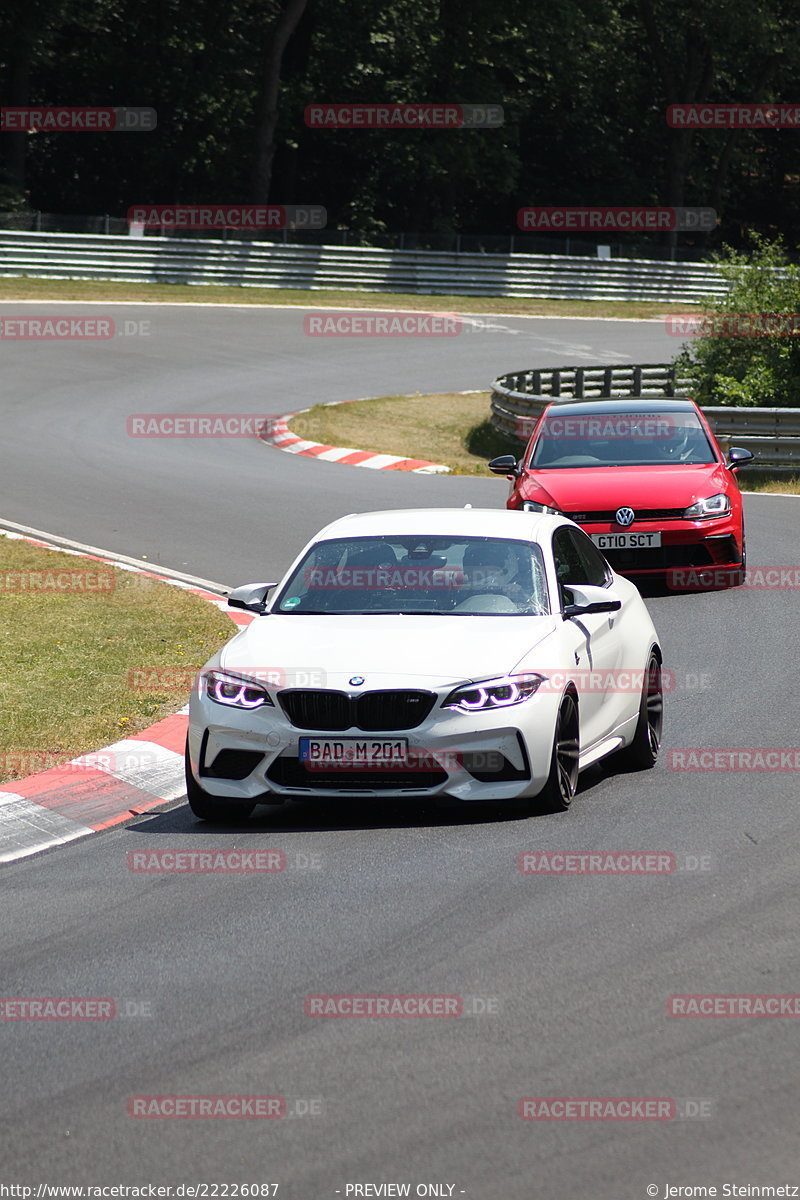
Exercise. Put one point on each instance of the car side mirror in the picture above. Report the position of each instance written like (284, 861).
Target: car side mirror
(506, 464)
(738, 457)
(252, 597)
(588, 599)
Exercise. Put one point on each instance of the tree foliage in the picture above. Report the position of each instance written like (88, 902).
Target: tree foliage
(763, 370)
(584, 84)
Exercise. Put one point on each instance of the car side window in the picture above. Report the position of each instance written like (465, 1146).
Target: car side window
(597, 569)
(570, 567)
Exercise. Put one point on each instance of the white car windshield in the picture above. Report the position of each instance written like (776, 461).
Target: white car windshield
(425, 574)
(609, 439)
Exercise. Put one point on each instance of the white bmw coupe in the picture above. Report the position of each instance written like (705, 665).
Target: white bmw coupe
(445, 654)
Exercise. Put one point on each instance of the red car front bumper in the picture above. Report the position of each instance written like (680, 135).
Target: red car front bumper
(713, 543)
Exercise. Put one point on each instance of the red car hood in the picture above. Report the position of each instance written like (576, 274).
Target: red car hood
(594, 488)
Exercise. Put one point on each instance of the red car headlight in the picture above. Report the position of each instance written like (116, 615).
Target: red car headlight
(712, 506)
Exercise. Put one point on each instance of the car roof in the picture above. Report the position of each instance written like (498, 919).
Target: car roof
(626, 404)
(473, 522)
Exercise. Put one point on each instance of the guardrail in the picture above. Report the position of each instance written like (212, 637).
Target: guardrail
(619, 246)
(772, 434)
(278, 265)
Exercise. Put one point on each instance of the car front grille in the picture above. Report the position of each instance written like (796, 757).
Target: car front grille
(333, 712)
(291, 773)
(597, 516)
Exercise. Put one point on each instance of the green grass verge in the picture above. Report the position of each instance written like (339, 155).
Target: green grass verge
(445, 428)
(66, 657)
(762, 481)
(26, 288)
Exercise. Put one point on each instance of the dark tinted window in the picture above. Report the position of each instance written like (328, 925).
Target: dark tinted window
(610, 439)
(577, 561)
(425, 574)
(570, 565)
(596, 566)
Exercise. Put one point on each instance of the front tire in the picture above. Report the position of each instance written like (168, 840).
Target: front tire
(642, 753)
(562, 781)
(213, 808)
(739, 574)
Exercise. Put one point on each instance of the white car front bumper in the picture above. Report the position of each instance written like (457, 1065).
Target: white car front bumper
(495, 754)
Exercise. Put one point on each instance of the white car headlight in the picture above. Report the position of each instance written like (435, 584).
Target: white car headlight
(713, 506)
(235, 690)
(493, 693)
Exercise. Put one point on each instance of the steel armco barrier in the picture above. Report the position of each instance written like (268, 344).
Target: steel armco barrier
(277, 265)
(772, 434)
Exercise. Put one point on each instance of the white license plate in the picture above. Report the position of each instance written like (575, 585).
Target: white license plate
(353, 752)
(626, 541)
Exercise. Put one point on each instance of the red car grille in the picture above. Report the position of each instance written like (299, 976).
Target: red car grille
(642, 514)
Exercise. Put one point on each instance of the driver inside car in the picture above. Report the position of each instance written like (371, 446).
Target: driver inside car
(493, 569)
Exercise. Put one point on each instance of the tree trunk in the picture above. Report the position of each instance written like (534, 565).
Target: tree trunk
(19, 95)
(694, 85)
(724, 161)
(267, 108)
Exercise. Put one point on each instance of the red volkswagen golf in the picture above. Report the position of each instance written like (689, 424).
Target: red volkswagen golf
(647, 481)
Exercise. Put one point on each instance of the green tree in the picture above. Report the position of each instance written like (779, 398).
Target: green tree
(749, 371)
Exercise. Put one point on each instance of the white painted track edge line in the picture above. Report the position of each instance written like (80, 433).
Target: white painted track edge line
(336, 307)
(142, 563)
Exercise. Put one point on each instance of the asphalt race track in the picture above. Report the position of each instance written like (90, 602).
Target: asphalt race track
(573, 973)
(219, 508)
